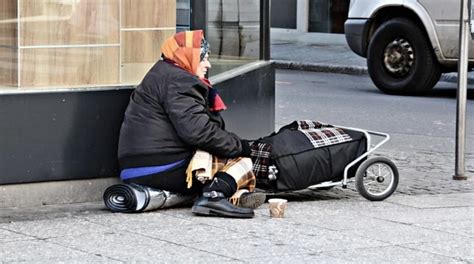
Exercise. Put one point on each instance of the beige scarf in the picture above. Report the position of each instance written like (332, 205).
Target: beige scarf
(201, 167)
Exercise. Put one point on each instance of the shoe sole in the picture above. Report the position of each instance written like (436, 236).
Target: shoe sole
(200, 210)
(252, 200)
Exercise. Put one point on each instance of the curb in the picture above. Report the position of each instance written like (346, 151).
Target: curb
(320, 67)
(451, 77)
(65, 192)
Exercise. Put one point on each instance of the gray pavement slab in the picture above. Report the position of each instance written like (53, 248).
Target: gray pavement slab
(154, 219)
(13, 214)
(460, 248)
(60, 227)
(393, 254)
(299, 258)
(435, 201)
(343, 230)
(43, 251)
(397, 234)
(129, 246)
(247, 249)
(430, 215)
(463, 227)
(193, 234)
(9, 236)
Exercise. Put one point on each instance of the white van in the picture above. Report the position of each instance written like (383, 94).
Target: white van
(407, 43)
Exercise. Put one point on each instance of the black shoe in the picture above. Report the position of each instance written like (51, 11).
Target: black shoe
(251, 200)
(216, 204)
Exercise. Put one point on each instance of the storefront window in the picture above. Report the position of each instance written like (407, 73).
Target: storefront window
(80, 43)
(50, 44)
(233, 32)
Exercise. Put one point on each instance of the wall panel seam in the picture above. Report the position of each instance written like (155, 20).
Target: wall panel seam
(120, 42)
(70, 46)
(148, 29)
(18, 36)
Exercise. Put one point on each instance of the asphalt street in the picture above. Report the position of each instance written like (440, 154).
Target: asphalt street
(417, 122)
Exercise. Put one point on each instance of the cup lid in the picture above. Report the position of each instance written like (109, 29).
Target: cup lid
(277, 200)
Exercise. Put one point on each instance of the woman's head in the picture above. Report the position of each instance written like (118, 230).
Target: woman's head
(204, 64)
(189, 50)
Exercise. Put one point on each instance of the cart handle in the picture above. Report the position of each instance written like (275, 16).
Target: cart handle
(370, 149)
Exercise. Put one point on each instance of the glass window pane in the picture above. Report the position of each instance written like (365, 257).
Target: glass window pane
(233, 33)
(80, 43)
(8, 43)
(145, 25)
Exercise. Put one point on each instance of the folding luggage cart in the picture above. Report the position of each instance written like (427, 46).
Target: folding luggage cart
(376, 178)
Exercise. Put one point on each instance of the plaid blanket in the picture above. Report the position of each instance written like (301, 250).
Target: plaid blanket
(308, 124)
(321, 134)
(260, 155)
(204, 166)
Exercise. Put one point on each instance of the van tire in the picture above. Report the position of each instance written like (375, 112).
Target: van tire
(400, 58)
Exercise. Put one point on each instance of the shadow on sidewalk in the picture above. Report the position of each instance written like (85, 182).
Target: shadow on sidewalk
(449, 93)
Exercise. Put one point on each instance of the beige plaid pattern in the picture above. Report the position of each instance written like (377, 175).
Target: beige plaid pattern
(239, 168)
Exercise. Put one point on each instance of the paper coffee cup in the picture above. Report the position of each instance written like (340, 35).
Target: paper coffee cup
(277, 207)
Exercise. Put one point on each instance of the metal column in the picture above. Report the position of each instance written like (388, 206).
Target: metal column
(265, 29)
(199, 15)
(459, 173)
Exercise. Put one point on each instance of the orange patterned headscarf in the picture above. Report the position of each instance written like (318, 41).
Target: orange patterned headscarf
(184, 48)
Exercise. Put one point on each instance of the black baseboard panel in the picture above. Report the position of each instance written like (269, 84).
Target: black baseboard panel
(250, 99)
(60, 136)
(72, 135)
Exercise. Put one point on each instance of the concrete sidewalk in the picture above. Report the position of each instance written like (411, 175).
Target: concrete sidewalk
(402, 229)
(323, 52)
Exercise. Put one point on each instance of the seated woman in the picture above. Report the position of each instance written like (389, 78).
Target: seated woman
(171, 114)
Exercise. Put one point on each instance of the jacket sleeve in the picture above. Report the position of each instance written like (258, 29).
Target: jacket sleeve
(187, 111)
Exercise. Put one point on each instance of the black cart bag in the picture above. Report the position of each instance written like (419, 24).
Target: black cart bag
(306, 153)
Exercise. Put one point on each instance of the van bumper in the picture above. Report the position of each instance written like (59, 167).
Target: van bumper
(356, 32)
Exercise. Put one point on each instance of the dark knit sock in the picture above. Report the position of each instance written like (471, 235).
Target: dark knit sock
(223, 183)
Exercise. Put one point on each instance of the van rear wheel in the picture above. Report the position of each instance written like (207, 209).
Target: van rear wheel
(401, 60)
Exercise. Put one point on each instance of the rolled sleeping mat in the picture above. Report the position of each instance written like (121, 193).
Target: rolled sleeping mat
(134, 198)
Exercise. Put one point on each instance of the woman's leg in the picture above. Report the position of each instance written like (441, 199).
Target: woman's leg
(158, 191)
(240, 169)
(231, 175)
(172, 181)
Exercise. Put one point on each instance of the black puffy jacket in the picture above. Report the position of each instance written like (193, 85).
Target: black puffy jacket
(168, 118)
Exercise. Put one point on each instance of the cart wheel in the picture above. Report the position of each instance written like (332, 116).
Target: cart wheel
(376, 178)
